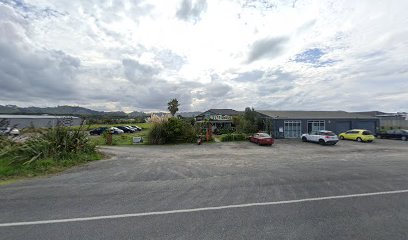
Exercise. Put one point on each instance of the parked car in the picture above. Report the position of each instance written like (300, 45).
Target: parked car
(323, 137)
(262, 139)
(125, 129)
(360, 135)
(9, 131)
(98, 131)
(138, 128)
(135, 129)
(395, 134)
(115, 130)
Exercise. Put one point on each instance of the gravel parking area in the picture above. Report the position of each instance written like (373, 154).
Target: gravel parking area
(143, 179)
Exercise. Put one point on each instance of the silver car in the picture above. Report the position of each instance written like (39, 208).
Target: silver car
(323, 137)
(9, 131)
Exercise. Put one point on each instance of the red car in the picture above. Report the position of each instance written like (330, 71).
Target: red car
(261, 139)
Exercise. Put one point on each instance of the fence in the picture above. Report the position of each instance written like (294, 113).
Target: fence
(394, 123)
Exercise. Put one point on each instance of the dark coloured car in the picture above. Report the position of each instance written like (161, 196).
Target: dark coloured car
(394, 134)
(261, 139)
(125, 129)
(98, 131)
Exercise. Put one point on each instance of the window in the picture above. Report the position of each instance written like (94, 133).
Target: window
(315, 125)
(367, 133)
(293, 129)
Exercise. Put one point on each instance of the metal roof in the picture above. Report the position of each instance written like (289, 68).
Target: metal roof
(229, 112)
(314, 115)
(33, 116)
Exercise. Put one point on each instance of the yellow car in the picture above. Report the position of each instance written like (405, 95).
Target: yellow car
(360, 135)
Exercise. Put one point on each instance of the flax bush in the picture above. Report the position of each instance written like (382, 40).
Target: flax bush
(58, 143)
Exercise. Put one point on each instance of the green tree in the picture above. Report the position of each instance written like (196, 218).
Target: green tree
(250, 115)
(173, 106)
(248, 123)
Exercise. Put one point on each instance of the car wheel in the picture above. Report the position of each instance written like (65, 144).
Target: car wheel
(259, 143)
(341, 138)
(359, 139)
(404, 138)
(304, 139)
(321, 142)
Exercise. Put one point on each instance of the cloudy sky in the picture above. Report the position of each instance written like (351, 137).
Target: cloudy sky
(268, 54)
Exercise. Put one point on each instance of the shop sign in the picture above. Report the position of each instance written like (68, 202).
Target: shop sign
(220, 117)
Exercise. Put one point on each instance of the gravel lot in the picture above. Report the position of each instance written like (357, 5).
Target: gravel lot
(140, 179)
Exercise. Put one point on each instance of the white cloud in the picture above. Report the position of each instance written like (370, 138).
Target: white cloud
(228, 53)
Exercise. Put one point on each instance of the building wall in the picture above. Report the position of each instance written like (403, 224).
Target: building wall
(40, 122)
(335, 125)
(394, 123)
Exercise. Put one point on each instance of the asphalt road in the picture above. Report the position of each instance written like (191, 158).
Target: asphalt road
(164, 178)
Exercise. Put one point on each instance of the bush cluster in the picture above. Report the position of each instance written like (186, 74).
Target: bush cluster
(225, 131)
(172, 131)
(233, 137)
(58, 143)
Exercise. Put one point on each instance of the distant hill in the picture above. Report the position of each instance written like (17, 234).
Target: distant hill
(188, 114)
(79, 111)
(137, 114)
(59, 110)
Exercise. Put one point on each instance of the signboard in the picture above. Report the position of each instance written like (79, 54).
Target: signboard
(281, 129)
(137, 140)
(221, 117)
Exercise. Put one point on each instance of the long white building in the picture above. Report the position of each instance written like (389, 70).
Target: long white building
(39, 121)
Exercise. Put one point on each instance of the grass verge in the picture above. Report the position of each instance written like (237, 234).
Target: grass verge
(119, 139)
(10, 172)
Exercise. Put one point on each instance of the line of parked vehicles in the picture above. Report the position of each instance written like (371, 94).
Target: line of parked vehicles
(9, 131)
(115, 130)
(325, 137)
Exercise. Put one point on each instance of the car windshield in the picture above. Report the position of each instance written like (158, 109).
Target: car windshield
(263, 135)
(367, 133)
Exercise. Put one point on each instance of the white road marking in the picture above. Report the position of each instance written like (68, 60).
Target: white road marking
(200, 209)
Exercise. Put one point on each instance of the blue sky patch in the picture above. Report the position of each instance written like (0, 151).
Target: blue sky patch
(310, 56)
(313, 56)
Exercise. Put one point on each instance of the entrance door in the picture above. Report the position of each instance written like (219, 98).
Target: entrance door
(293, 129)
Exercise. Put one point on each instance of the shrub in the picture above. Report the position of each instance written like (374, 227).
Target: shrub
(174, 130)
(225, 131)
(57, 143)
(233, 137)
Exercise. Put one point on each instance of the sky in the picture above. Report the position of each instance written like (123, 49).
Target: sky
(136, 55)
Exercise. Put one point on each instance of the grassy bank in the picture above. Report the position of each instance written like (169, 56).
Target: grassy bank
(50, 151)
(120, 139)
(9, 170)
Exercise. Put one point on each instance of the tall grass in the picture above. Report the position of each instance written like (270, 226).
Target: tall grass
(58, 143)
